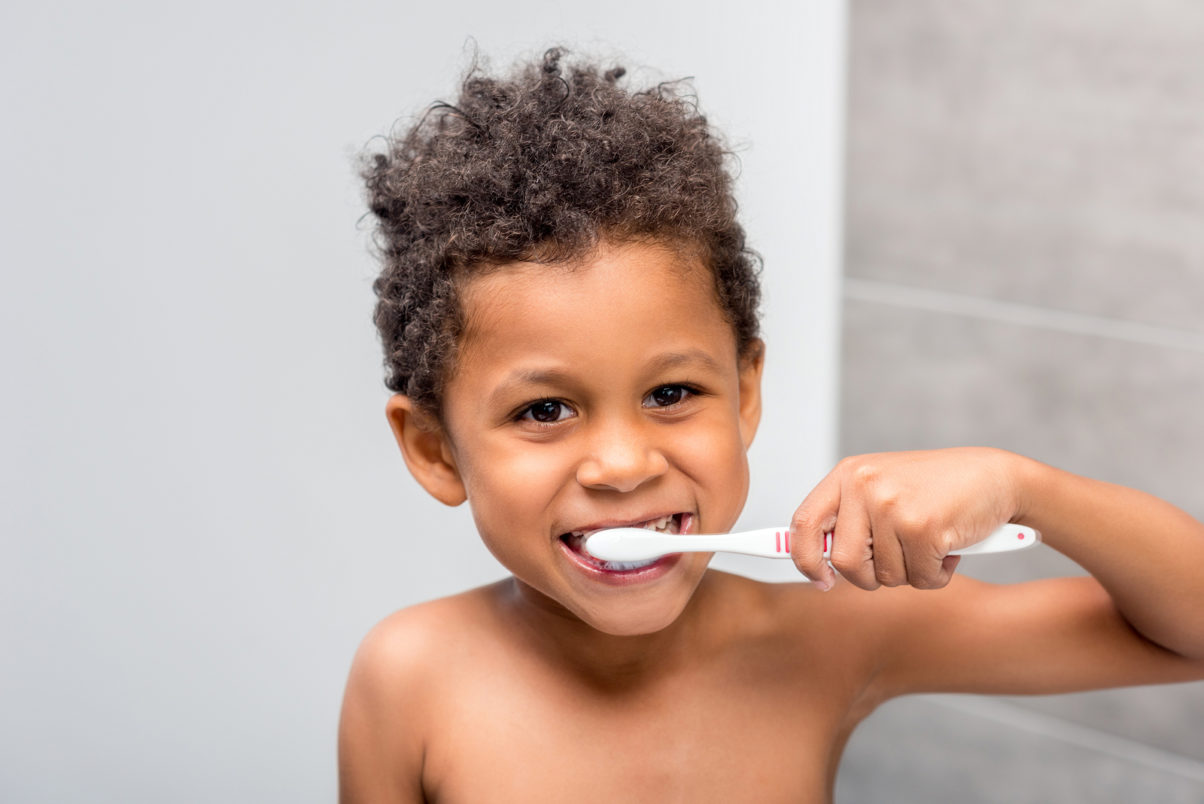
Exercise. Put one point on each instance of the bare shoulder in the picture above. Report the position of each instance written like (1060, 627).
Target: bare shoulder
(399, 655)
(408, 640)
(397, 677)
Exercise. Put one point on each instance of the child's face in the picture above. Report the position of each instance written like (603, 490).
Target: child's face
(604, 393)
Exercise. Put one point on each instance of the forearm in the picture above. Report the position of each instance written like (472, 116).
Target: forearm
(1147, 554)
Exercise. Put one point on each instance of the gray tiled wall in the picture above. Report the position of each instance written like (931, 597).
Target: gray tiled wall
(1025, 268)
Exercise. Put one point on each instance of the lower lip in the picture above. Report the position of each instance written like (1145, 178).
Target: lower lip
(651, 572)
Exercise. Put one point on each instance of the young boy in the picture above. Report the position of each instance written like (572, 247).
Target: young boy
(569, 314)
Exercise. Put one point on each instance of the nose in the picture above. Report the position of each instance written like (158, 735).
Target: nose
(621, 457)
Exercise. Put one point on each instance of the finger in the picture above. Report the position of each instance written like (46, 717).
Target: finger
(930, 566)
(890, 562)
(853, 545)
(808, 528)
(948, 568)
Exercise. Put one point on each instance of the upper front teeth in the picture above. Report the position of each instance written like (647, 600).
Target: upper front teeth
(665, 524)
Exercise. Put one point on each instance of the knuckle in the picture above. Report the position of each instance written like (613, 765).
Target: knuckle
(800, 521)
(808, 559)
(932, 581)
(844, 559)
(865, 581)
(914, 523)
(947, 540)
(848, 463)
(889, 577)
(922, 582)
(889, 505)
(864, 474)
(854, 565)
(807, 565)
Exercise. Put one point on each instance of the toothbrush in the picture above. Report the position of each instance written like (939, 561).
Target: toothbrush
(638, 544)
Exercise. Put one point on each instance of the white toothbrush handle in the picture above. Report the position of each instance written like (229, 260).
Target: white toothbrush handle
(1003, 539)
(631, 544)
(775, 542)
(766, 543)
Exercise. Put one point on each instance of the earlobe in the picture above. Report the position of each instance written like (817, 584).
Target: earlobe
(426, 451)
(751, 365)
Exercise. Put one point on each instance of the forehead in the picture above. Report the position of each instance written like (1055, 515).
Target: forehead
(613, 282)
(619, 297)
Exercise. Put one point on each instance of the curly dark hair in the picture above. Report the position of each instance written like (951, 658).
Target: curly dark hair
(540, 166)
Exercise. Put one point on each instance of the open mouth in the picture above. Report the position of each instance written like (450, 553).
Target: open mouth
(575, 541)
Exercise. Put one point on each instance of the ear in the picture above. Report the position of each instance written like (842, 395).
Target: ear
(426, 450)
(751, 364)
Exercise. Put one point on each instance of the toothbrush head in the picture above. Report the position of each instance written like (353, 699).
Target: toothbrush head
(625, 544)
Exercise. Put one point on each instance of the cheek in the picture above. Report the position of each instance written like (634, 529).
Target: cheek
(714, 455)
(508, 486)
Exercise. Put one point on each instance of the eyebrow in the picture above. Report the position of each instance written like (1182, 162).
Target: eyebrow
(671, 360)
(541, 376)
(532, 376)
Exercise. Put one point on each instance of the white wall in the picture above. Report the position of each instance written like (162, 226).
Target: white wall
(202, 508)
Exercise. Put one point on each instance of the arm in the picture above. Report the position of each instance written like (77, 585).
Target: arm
(1037, 638)
(380, 747)
(1146, 553)
(896, 516)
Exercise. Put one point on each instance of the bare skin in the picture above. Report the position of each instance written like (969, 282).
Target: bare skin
(675, 683)
(751, 696)
(699, 720)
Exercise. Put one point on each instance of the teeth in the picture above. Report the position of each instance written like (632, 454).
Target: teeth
(666, 524)
(621, 566)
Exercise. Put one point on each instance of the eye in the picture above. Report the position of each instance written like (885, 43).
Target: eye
(546, 411)
(667, 396)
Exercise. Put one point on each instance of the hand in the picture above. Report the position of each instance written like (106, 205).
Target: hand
(894, 517)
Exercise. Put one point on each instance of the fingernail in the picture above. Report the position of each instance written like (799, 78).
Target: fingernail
(823, 585)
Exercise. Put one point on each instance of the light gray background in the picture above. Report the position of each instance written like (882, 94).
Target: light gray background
(1025, 268)
(202, 508)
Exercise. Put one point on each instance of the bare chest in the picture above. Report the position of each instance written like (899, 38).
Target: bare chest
(694, 741)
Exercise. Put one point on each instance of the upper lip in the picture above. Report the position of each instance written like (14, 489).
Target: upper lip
(617, 523)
